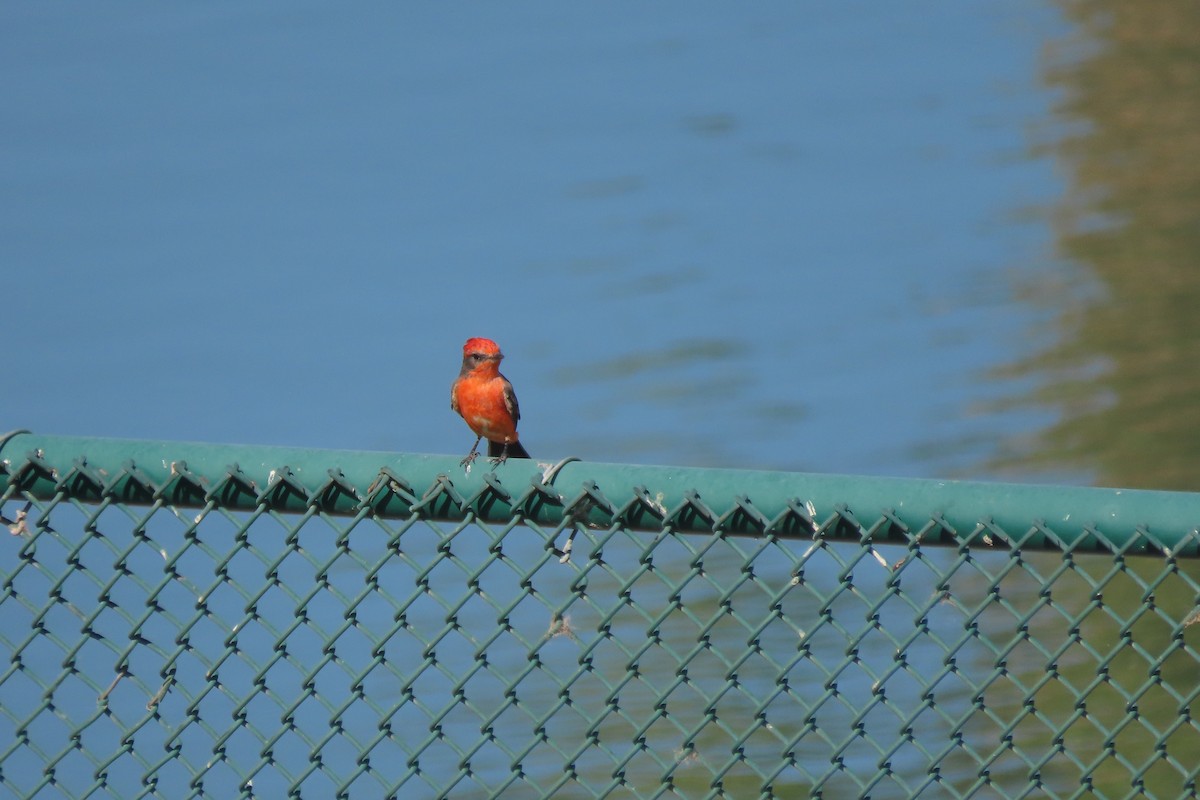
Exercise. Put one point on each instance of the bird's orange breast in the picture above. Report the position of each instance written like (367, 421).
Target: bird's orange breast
(481, 403)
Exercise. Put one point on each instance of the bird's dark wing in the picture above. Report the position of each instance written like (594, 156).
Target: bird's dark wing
(510, 402)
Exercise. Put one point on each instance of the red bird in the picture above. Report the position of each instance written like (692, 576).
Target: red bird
(485, 399)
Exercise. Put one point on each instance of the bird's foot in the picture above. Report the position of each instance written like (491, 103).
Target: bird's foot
(500, 459)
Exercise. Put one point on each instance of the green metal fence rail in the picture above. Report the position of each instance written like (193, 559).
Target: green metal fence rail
(192, 620)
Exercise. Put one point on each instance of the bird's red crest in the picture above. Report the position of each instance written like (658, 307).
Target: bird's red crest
(478, 345)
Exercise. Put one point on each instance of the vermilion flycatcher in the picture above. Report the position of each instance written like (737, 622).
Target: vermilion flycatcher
(486, 401)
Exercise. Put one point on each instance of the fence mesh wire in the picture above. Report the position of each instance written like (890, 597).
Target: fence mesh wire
(152, 649)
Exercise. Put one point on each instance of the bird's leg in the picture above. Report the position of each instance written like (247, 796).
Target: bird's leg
(471, 456)
(500, 459)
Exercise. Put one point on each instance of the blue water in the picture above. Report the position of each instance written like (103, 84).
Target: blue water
(781, 237)
(786, 236)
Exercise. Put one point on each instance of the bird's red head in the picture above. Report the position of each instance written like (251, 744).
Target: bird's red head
(483, 347)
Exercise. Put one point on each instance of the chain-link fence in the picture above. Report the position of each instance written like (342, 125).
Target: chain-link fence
(181, 620)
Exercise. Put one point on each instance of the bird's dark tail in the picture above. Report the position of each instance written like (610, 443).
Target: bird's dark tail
(515, 450)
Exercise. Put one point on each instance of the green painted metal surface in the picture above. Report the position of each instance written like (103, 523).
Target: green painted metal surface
(1037, 515)
(198, 620)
